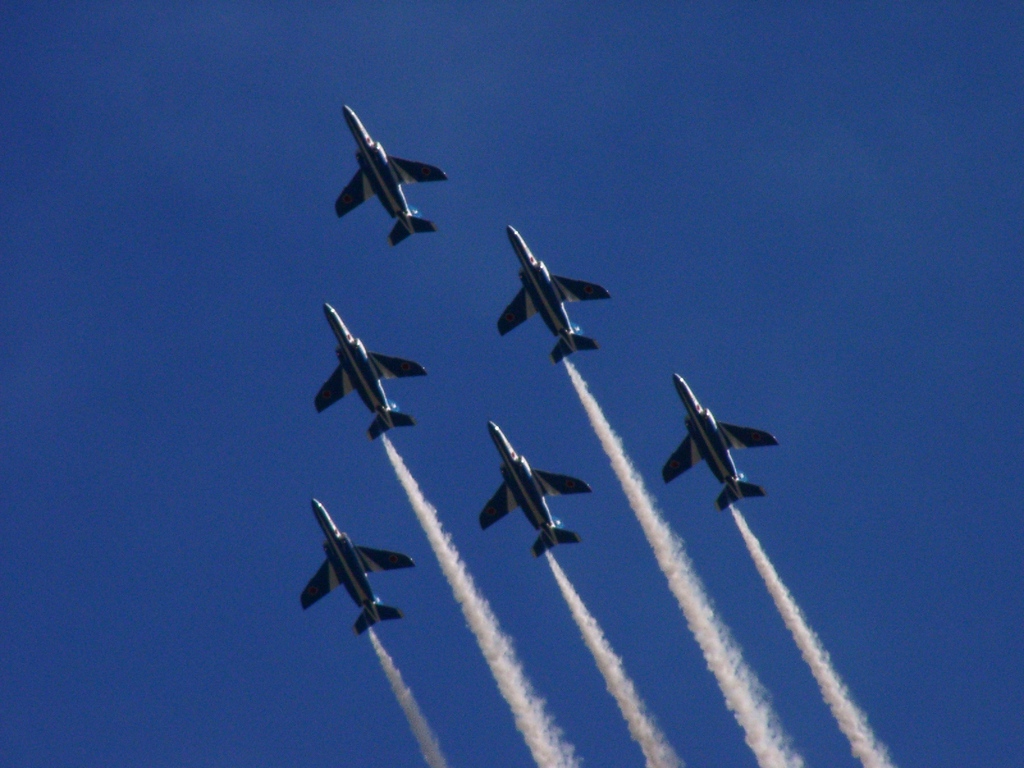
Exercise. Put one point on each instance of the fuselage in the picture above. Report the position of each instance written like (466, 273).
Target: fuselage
(352, 352)
(538, 285)
(520, 481)
(704, 432)
(344, 559)
(373, 161)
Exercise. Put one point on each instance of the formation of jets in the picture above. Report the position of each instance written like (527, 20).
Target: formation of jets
(522, 486)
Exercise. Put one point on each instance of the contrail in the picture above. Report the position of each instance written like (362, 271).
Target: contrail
(645, 732)
(417, 722)
(744, 694)
(542, 736)
(852, 721)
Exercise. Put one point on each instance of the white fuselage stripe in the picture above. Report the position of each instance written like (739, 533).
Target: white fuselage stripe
(380, 180)
(364, 385)
(724, 470)
(535, 513)
(548, 310)
(350, 577)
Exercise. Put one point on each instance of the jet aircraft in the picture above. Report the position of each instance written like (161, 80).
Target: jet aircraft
(361, 370)
(525, 487)
(382, 175)
(348, 565)
(543, 292)
(711, 440)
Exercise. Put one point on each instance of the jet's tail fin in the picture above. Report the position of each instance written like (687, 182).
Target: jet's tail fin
(572, 342)
(366, 618)
(380, 425)
(400, 231)
(551, 537)
(729, 496)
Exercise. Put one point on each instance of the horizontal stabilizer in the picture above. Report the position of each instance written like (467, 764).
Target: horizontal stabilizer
(356, 192)
(380, 426)
(577, 290)
(745, 437)
(564, 348)
(411, 171)
(552, 536)
(399, 231)
(323, 582)
(382, 559)
(686, 456)
(387, 367)
(746, 490)
(555, 485)
(366, 619)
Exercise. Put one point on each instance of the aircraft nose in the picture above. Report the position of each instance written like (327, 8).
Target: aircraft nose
(682, 387)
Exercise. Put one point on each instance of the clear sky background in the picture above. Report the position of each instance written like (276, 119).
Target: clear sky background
(814, 216)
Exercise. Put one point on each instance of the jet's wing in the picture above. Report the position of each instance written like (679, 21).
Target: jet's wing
(577, 290)
(519, 310)
(324, 581)
(356, 192)
(335, 388)
(686, 456)
(501, 503)
(410, 171)
(382, 560)
(555, 485)
(395, 367)
(745, 437)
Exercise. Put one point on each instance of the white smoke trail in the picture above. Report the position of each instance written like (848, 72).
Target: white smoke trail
(645, 732)
(542, 736)
(744, 694)
(417, 722)
(852, 721)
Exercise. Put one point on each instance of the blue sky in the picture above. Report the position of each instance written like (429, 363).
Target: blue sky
(813, 215)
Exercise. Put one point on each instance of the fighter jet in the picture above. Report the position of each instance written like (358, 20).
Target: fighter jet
(543, 292)
(348, 564)
(361, 370)
(525, 487)
(382, 175)
(711, 440)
